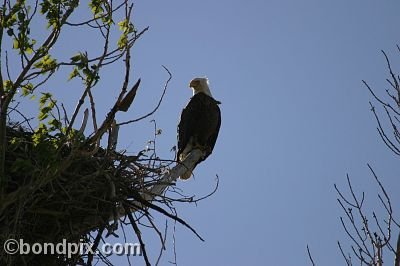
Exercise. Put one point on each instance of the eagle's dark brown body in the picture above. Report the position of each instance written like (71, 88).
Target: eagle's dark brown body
(198, 127)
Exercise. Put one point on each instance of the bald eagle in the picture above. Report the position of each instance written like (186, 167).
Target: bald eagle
(199, 124)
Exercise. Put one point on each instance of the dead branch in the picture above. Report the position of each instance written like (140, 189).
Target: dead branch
(368, 244)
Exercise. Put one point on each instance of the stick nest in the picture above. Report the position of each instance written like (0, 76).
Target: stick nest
(64, 191)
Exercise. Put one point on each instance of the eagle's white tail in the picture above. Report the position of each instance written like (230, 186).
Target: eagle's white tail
(190, 162)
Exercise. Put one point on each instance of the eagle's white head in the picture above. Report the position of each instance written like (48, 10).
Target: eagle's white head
(200, 85)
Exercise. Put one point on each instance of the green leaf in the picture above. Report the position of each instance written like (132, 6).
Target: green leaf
(73, 74)
(46, 64)
(51, 104)
(7, 84)
(123, 41)
(55, 124)
(15, 44)
(45, 97)
(40, 133)
(15, 141)
(13, 19)
(43, 115)
(76, 58)
(27, 89)
(96, 7)
(123, 25)
(29, 50)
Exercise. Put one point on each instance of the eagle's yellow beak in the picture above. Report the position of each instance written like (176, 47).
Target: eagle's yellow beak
(194, 84)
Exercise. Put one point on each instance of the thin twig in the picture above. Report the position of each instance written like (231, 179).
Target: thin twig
(310, 257)
(158, 104)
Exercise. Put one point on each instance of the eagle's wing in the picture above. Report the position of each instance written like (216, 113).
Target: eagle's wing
(215, 122)
(188, 123)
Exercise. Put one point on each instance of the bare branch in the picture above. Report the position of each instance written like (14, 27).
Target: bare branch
(158, 104)
(310, 257)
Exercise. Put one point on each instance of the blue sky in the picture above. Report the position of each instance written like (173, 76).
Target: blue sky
(295, 119)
